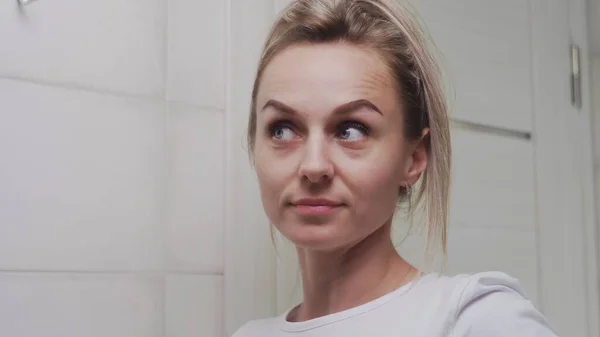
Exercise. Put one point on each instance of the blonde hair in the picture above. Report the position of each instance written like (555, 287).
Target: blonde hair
(392, 30)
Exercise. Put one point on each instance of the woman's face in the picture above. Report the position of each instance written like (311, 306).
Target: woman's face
(330, 152)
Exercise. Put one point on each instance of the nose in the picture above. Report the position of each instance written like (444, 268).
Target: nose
(316, 166)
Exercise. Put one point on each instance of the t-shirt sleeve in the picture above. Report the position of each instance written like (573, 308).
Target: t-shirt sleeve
(244, 331)
(494, 305)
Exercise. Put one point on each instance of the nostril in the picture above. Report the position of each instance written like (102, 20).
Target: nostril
(317, 177)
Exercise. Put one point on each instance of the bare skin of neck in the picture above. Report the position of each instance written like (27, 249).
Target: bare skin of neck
(335, 281)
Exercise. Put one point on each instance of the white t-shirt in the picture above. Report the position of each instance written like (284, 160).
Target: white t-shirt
(488, 304)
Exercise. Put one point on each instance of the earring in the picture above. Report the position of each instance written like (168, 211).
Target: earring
(408, 194)
(408, 189)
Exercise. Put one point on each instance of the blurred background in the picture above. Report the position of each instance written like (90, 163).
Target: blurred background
(128, 206)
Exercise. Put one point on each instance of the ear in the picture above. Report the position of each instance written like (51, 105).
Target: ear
(417, 159)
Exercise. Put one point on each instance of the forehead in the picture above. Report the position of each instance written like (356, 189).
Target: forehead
(327, 75)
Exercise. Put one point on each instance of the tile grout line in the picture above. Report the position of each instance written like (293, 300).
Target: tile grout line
(166, 192)
(158, 273)
(225, 127)
(111, 93)
(227, 313)
(535, 153)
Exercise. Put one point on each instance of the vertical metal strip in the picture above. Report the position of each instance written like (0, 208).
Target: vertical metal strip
(576, 76)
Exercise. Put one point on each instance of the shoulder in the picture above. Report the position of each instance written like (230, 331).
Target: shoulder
(494, 304)
(467, 287)
(464, 284)
(257, 328)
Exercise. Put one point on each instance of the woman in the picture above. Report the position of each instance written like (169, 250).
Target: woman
(347, 116)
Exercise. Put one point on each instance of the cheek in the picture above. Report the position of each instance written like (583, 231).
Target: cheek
(273, 175)
(378, 183)
(374, 181)
(267, 177)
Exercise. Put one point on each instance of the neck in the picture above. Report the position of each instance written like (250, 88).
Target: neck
(335, 281)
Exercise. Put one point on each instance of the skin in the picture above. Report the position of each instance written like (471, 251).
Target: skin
(330, 156)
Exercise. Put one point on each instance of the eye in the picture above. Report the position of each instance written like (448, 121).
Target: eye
(352, 131)
(282, 131)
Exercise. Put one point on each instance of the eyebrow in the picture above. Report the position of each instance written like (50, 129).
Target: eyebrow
(342, 109)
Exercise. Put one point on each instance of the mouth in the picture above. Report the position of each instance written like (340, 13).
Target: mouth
(316, 206)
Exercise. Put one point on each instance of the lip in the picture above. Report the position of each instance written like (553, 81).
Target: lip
(316, 206)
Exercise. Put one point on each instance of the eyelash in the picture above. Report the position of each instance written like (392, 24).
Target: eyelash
(280, 124)
(353, 124)
(341, 127)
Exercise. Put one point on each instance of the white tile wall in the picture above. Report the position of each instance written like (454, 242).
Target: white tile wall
(47, 305)
(112, 170)
(111, 45)
(82, 180)
(194, 306)
(281, 4)
(197, 32)
(246, 224)
(195, 213)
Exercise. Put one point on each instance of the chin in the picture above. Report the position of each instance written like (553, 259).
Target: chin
(315, 237)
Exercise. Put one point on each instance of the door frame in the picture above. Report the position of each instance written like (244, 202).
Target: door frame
(578, 22)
